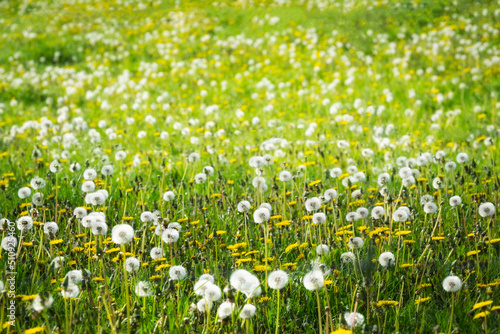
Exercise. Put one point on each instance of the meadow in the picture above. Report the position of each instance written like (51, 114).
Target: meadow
(250, 166)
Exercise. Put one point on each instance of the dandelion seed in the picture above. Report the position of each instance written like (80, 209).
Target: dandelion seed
(200, 178)
(352, 217)
(107, 170)
(50, 228)
(319, 218)
(75, 167)
(378, 212)
(285, 176)
(313, 204)
(55, 167)
(38, 183)
(212, 292)
(462, 158)
(347, 257)
(335, 172)
(80, 212)
(9, 243)
(25, 223)
(156, 253)
(430, 208)
(330, 195)
(203, 305)
(99, 228)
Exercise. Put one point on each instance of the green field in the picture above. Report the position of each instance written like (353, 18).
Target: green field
(251, 166)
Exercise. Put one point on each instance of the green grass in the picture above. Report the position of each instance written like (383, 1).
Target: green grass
(117, 52)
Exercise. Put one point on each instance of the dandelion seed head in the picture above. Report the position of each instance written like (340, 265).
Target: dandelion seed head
(313, 204)
(356, 319)
(356, 243)
(41, 302)
(248, 311)
(452, 284)
(122, 234)
(487, 209)
(170, 235)
(277, 280)
(177, 273)
(132, 264)
(143, 289)
(314, 280)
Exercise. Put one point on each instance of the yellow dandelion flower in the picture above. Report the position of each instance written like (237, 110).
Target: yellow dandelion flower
(482, 304)
(473, 252)
(382, 303)
(481, 315)
(34, 330)
(422, 300)
(263, 299)
(341, 331)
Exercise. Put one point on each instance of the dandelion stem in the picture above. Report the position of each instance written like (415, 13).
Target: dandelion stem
(319, 313)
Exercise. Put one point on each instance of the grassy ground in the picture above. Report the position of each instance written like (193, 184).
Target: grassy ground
(406, 80)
